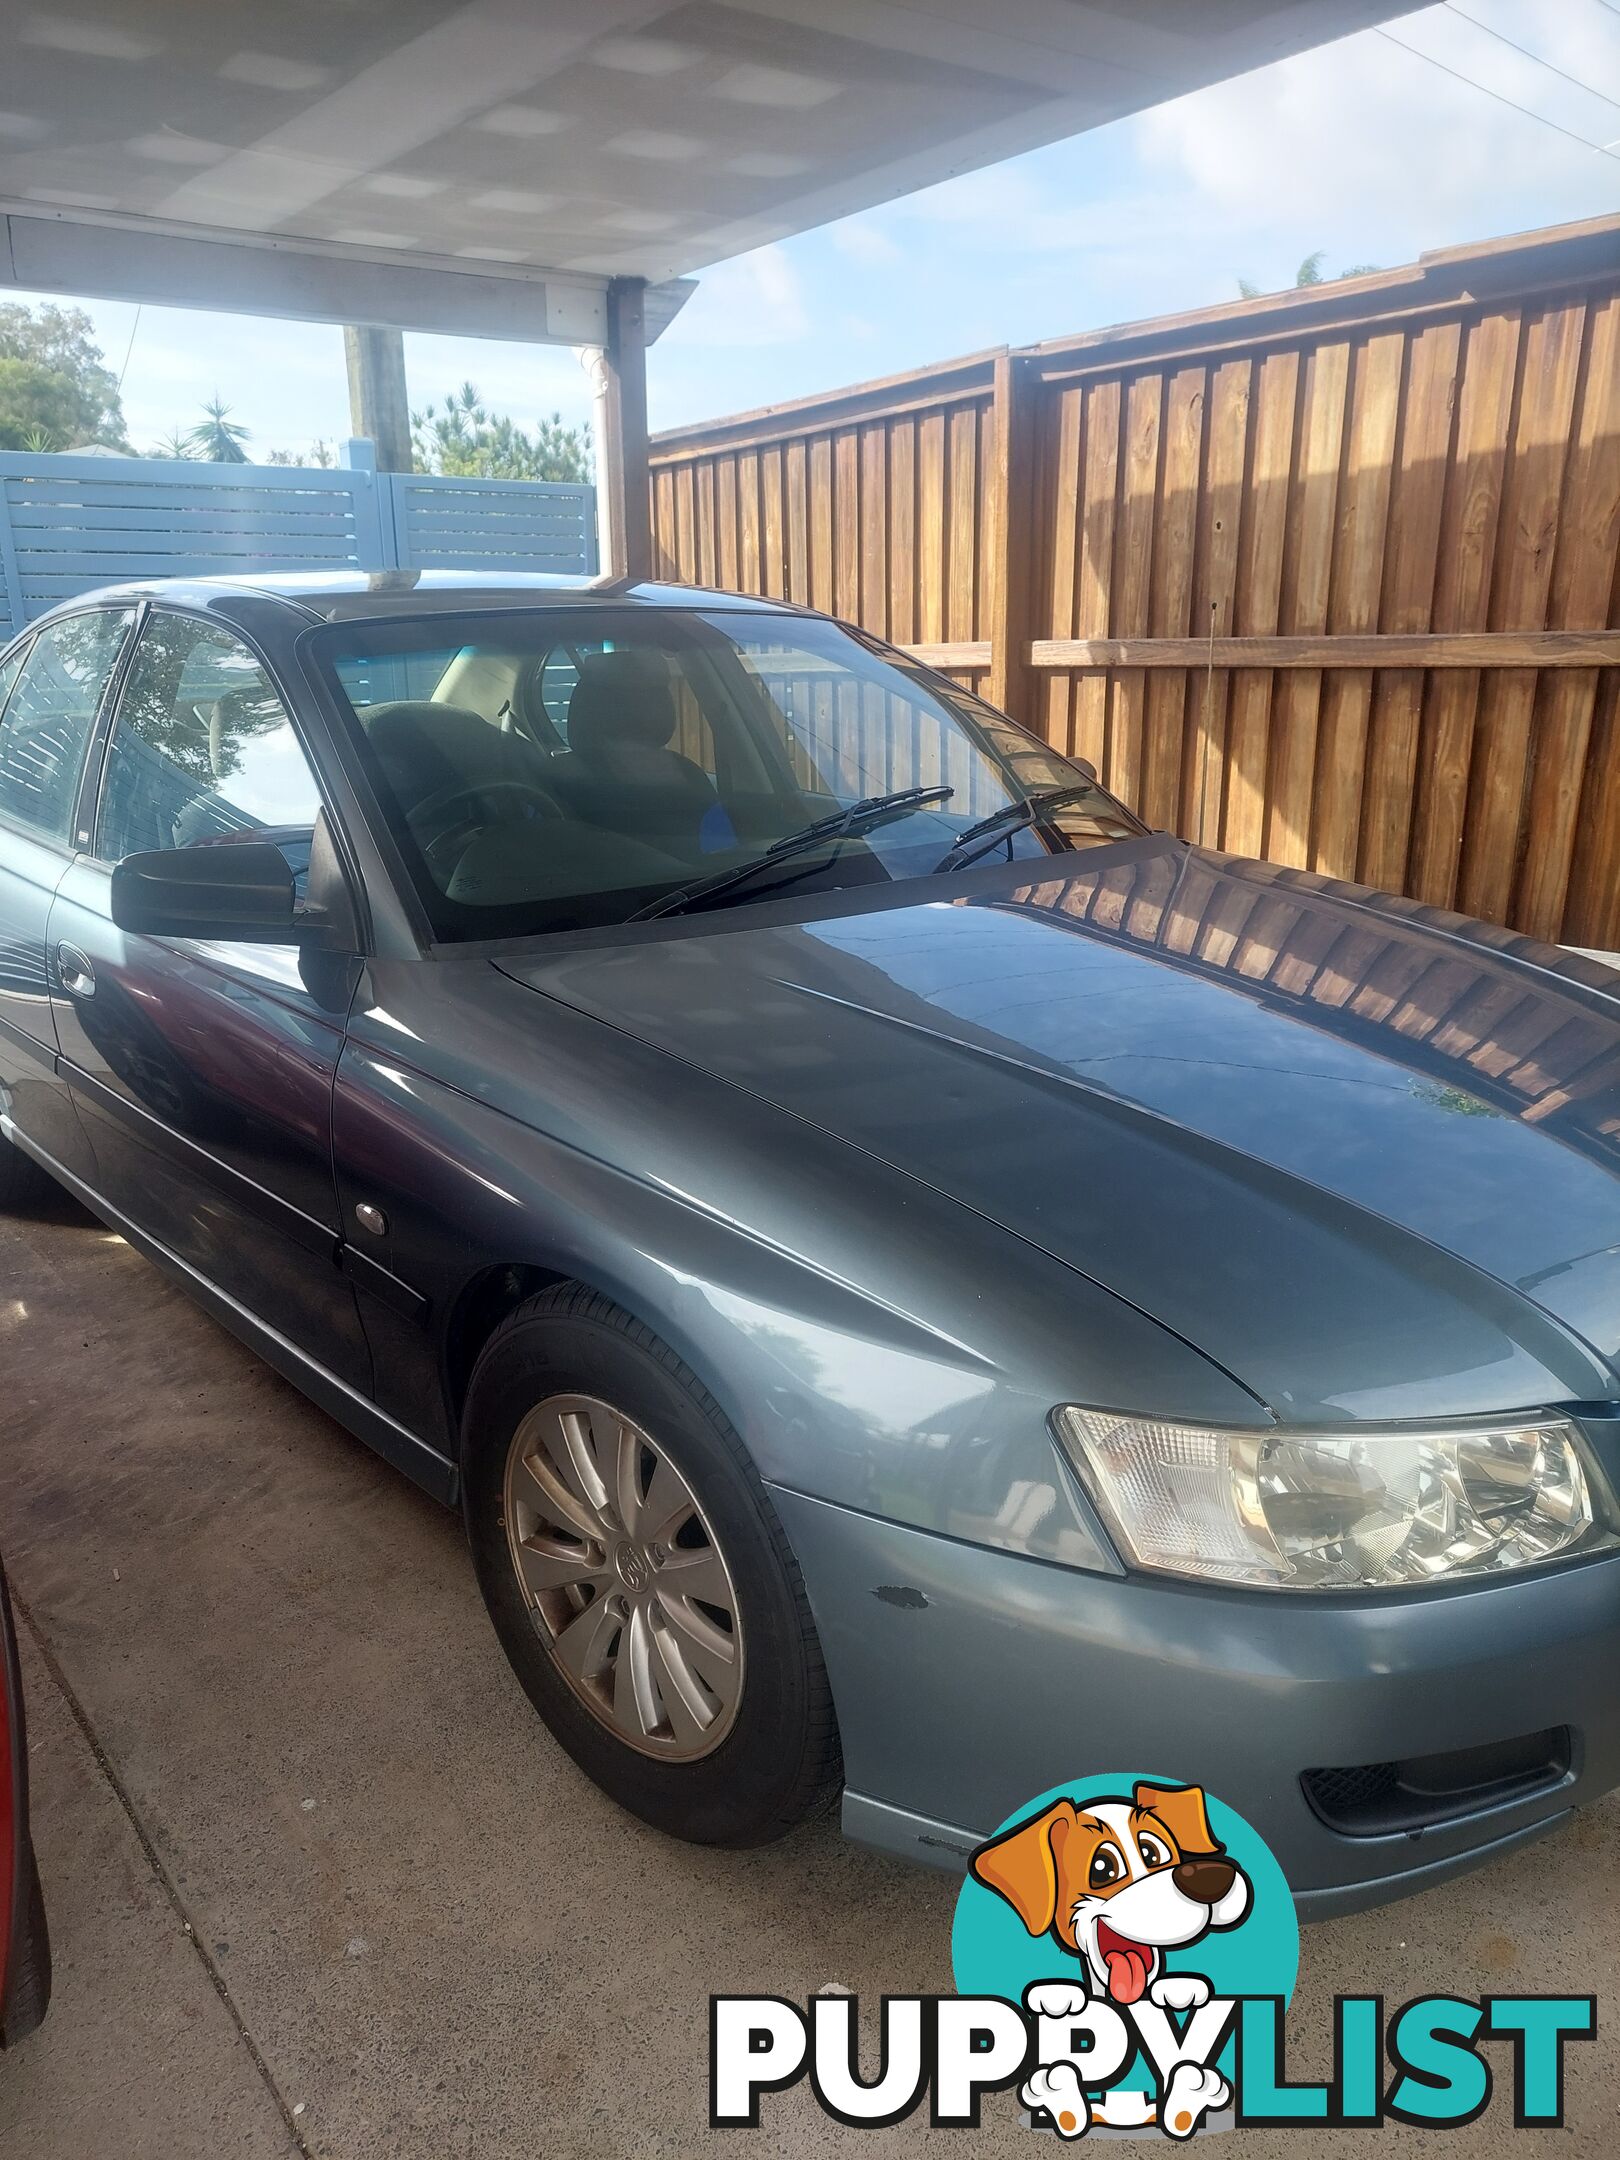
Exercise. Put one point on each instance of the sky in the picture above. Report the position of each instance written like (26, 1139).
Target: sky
(1361, 149)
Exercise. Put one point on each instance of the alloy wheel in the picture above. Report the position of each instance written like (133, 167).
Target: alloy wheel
(624, 1577)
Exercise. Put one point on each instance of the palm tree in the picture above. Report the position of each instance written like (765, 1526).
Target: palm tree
(174, 445)
(218, 438)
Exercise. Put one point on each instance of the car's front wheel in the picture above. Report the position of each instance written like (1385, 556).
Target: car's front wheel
(638, 1577)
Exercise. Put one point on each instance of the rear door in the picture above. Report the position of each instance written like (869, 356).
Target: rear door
(204, 1072)
(50, 696)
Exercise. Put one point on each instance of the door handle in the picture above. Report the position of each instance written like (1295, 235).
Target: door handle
(78, 976)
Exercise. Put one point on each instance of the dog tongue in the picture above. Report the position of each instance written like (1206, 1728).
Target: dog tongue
(1127, 1973)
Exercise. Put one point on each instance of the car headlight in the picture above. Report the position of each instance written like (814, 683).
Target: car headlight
(1360, 1510)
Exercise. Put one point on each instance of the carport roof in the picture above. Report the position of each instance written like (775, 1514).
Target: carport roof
(488, 165)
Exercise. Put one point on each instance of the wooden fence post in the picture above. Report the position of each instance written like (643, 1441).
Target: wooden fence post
(1010, 573)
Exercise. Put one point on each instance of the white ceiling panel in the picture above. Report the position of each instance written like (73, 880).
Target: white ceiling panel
(502, 138)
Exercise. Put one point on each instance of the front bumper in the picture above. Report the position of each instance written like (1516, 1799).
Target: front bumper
(968, 1680)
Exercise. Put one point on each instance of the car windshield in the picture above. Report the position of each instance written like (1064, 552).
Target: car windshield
(566, 768)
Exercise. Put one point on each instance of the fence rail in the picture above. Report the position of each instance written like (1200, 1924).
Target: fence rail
(1328, 577)
(69, 524)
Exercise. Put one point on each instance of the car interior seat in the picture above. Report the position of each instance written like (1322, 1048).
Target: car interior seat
(426, 750)
(620, 772)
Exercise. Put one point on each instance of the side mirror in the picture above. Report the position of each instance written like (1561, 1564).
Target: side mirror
(1085, 766)
(239, 893)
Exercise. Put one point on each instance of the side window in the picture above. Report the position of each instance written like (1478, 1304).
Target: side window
(202, 751)
(49, 715)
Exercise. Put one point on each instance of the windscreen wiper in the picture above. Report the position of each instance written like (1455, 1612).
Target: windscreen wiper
(978, 839)
(860, 817)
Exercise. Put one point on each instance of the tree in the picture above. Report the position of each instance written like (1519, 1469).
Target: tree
(174, 445)
(318, 454)
(55, 391)
(195, 740)
(218, 438)
(466, 440)
(1310, 273)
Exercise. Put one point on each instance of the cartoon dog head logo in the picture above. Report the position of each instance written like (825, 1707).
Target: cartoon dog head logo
(1118, 1882)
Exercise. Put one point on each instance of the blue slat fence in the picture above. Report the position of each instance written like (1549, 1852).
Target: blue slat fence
(69, 524)
(441, 524)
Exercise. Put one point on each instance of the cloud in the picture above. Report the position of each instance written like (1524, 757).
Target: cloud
(998, 195)
(1357, 147)
(754, 299)
(864, 242)
(1363, 137)
(1360, 149)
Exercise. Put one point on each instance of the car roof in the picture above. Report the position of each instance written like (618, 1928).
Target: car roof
(339, 595)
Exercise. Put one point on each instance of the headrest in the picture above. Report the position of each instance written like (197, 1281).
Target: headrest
(621, 698)
(248, 708)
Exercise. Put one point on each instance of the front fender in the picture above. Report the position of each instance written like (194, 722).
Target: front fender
(874, 1344)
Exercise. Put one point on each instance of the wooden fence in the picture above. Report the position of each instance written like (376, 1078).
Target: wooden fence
(1327, 577)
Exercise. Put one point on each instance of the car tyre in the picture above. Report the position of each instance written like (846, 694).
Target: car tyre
(29, 1989)
(778, 1760)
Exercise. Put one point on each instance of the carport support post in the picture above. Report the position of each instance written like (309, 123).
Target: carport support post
(378, 404)
(623, 448)
(1014, 514)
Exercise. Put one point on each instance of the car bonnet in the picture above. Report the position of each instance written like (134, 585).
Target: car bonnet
(1368, 1162)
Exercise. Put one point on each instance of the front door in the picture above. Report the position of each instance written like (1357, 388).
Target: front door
(204, 1072)
(50, 693)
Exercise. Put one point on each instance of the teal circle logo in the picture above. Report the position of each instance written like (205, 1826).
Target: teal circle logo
(1134, 1889)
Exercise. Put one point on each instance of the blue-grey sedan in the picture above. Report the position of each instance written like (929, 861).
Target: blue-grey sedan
(920, 1287)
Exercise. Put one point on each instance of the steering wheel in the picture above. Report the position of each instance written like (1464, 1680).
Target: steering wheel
(449, 843)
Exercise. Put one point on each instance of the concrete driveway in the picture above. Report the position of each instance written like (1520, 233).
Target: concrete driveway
(319, 1882)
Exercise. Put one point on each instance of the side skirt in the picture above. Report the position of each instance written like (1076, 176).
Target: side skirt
(423, 1464)
(910, 1837)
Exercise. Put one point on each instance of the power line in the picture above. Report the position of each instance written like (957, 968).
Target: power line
(1529, 113)
(1513, 46)
(130, 347)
